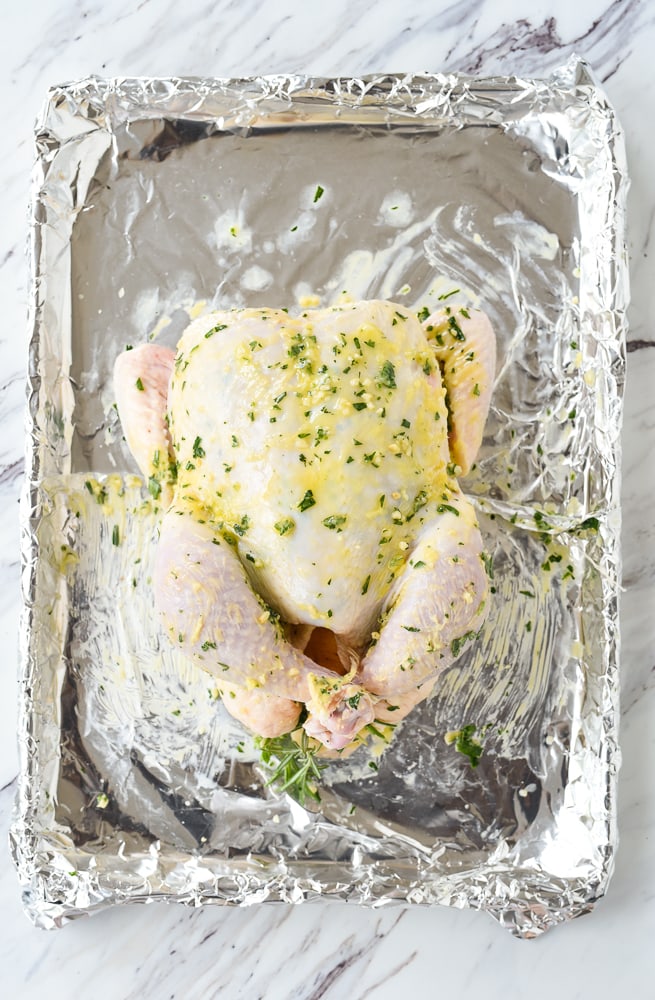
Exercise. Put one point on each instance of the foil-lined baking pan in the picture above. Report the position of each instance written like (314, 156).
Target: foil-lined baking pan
(155, 200)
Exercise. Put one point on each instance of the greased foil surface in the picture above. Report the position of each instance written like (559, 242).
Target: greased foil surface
(154, 200)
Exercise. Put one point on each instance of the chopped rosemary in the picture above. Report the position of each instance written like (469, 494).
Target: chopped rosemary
(215, 329)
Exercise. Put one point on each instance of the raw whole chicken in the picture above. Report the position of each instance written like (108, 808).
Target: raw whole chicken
(316, 553)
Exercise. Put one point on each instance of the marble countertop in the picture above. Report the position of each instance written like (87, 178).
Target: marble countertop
(335, 951)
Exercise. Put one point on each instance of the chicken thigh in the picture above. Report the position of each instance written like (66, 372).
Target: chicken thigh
(307, 470)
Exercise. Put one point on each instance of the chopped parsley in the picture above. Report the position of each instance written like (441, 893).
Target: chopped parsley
(387, 376)
(115, 536)
(318, 193)
(487, 562)
(458, 644)
(154, 487)
(242, 526)
(284, 526)
(466, 744)
(589, 524)
(139, 385)
(307, 501)
(455, 328)
(198, 450)
(335, 522)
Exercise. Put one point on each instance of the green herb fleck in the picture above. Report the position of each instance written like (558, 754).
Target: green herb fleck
(217, 328)
(443, 507)
(335, 522)
(458, 644)
(307, 501)
(387, 376)
(488, 563)
(139, 384)
(465, 744)
(318, 193)
(242, 526)
(366, 583)
(198, 450)
(115, 536)
(101, 493)
(455, 328)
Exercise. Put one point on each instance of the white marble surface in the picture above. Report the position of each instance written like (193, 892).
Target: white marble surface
(338, 951)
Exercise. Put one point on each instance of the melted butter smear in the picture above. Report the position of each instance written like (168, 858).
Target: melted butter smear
(325, 431)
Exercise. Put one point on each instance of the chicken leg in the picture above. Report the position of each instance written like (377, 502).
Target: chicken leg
(204, 597)
(431, 610)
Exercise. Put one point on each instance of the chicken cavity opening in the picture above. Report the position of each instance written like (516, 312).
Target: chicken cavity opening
(322, 649)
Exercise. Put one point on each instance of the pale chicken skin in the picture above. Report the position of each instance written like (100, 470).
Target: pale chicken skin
(307, 466)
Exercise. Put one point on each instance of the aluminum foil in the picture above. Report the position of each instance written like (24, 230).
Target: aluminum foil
(157, 199)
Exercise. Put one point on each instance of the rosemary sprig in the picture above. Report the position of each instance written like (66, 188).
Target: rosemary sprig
(295, 766)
